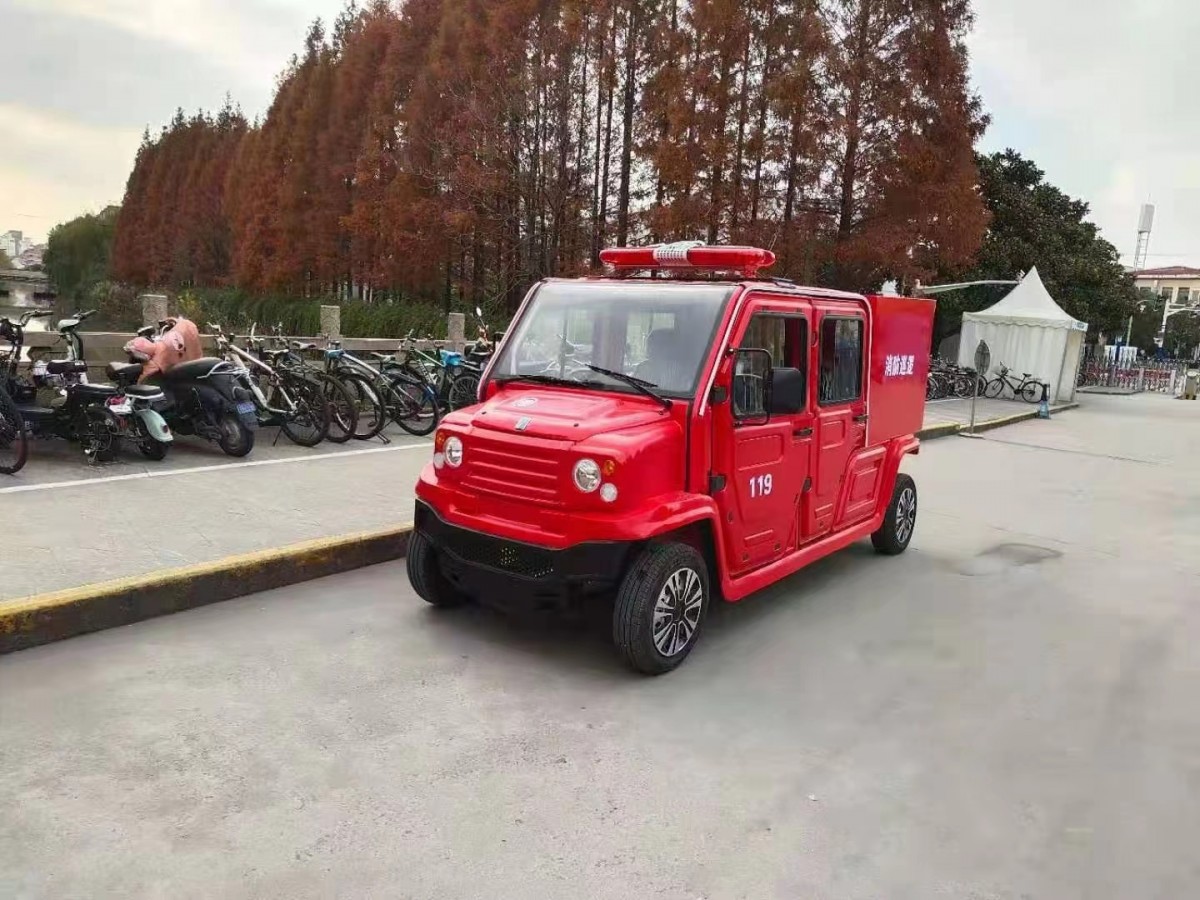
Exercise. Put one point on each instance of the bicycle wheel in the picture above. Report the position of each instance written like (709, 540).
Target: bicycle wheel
(343, 409)
(307, 422)
(462, 391)
(412, 405)
(372, 415)
(1032, 392)
(14, 443)
(995, 388)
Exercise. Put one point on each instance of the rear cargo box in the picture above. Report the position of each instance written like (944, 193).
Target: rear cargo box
(901, 335)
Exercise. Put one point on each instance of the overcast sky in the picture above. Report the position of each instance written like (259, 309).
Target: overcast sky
(1100, 94)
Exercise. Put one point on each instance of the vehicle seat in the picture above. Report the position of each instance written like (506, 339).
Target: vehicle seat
(148, 391)
(661, 366)
(296, 345)
(122, 372)
(195, 368)
(66, 366)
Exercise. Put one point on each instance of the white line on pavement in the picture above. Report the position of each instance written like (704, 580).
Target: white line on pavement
(219, 467)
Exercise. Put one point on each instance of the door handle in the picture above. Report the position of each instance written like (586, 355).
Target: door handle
(861, 418)
(802, 432)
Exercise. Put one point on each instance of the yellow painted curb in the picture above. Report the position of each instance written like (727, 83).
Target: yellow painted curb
(30, 621)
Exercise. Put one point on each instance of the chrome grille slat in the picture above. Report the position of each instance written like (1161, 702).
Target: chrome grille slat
(524, 472)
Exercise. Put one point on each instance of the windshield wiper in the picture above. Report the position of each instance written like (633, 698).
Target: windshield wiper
(638, 384)
(536, 377)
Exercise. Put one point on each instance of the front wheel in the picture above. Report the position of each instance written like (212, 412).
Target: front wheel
(236, 439)
(660, 608)
(462, 391)
(994, 388)
(425, 574)
(900, 520)
(413, 405)
(307, 422)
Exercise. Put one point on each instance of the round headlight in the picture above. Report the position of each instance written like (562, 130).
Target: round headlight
(454, 452)
(587, 475)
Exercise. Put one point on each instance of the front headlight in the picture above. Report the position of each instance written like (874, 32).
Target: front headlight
(453, 452)
(587, 475)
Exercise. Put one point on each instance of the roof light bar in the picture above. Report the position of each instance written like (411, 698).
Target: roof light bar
(689, 255)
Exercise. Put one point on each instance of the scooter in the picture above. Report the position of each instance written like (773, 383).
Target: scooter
(98, 416)
(207, 397)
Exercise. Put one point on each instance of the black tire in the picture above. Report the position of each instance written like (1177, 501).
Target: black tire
(343, 409)
(14, 442)
(236, 439)
(100, 434)
(412, 404)
(663, 600)
(425, 574)
(372, 414)
(308, 424)
(900, 520)
(152, 449)
(462, 391)
(994, 388)
(1032, 392)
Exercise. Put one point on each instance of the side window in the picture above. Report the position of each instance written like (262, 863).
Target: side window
(841, 360)
(780, 336)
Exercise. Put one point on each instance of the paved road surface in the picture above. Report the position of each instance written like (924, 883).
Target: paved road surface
(1006, 711)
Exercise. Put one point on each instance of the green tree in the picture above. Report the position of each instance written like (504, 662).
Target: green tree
(1183, 335)
(1035, 224)
(78, 252)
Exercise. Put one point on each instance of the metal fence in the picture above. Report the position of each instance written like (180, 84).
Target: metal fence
(1163, 376)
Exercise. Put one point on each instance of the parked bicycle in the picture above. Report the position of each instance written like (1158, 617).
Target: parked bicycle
(453, 377)
(1029, 388)
(281, 397)
(14, 442)
(339, 397)
(408, 401)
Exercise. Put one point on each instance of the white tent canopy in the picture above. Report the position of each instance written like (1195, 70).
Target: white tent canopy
(1028, 332)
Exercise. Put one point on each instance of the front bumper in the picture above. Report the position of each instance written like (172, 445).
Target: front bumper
(512, 573)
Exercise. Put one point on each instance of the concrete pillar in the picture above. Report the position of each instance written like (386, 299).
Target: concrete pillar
(456, 328)
(331, 322)
(154, 308)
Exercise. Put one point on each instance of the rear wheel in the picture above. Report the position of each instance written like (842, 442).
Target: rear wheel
(412, 404)
(1032, 392)
(14, 443)
(307, 422)
(236, 439)
(425, 574)
(660, 608)
(900, 520)
(462, 390)
(343, 410)
(372, 415)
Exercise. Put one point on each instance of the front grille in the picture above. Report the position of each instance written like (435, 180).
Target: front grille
(516, 470)
(495, 553)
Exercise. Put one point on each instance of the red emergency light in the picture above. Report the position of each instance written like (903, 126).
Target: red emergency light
(689, 255)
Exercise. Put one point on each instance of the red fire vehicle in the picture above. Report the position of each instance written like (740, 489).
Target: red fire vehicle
(668, 440)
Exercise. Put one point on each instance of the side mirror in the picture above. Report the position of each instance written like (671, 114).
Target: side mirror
(478, 313)
(787, 391)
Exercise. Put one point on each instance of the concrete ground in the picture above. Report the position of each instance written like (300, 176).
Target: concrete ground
(955, 410)
(1008, 710)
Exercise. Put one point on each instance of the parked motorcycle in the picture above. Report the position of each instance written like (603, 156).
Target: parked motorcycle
(97, 416)
(207, 397)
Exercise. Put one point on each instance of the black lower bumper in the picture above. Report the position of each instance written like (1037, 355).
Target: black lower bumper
(512, 573)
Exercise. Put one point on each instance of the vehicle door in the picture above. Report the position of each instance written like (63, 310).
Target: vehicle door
(762, 459)
(841, 417)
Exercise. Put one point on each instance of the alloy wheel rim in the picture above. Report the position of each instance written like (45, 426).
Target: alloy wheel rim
(906, 515)
(677, 612)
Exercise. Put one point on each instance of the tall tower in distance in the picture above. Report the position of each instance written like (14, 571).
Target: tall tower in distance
(1145, 225)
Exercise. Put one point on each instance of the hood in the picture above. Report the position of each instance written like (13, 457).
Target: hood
(563, 414)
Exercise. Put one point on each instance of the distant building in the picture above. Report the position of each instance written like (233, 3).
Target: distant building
(1178, 285)
(30, 258)
(14, 243)
(21, 290)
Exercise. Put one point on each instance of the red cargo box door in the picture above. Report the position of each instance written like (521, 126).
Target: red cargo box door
(902, 332)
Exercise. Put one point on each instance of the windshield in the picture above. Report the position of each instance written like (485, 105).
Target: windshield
(659, 333)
